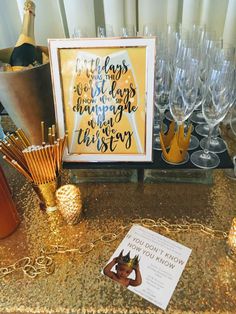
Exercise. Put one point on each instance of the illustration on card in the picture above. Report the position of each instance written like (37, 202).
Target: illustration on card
(124, 266)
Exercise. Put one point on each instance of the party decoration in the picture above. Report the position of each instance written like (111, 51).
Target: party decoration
(69, 203)
(175, 144)
(103, 92)
(40, 164)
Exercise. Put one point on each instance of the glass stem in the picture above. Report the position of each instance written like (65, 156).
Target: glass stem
(234, 162)
(215, 132)
(161, 118)
(178, 130)
(206, 149)
(155, 116)
(188, 122)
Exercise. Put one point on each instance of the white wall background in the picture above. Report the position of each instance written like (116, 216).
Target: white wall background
(59, 18)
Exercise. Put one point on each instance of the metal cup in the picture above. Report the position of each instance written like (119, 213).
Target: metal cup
(46, 193)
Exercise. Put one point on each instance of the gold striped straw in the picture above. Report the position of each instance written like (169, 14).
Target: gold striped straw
(50, 160)
(47, 164)
(39, 164)
(44, 163)
(43, 132)
(21, 138)
(23, 171)
(31, 166)
(49, 174)
(17, 167)
(50, 135)
(6, 152)
(16, 153)
(17, 142)
(53, 133)
(24, 137)
(57, 148)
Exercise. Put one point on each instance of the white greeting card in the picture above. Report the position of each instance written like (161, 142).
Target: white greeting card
(148, 264)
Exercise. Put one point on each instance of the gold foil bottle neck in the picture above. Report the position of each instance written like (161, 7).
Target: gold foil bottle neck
(29, 6)
(27, 31)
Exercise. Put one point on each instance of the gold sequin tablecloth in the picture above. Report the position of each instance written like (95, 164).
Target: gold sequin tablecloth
(207, 285)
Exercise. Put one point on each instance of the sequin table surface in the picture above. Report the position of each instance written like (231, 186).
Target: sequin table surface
(207, 285)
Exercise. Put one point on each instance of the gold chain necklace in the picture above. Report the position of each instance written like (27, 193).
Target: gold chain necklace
(44, 263)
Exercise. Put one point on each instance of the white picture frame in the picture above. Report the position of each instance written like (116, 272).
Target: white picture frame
(73, 64)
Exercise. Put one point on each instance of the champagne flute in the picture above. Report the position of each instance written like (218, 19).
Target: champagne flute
(109, 30)
(209, 79)
(214, 109)
(79, 33)
(105, 31)
(217, 145)
(224, 56)
(190, 57)
(231, 173)
(210, 47)
(149, 30)
(184, 91)
(162, 92)
(128, 31)
(101, 31)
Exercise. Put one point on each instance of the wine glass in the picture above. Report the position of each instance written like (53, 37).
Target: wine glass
(101, 31)
(197, 116)
(105, 31)
(231, 173)
(149, 30)
(184, 91)
(79, 33)
(128, 31)
(109, 30)
(172, 41)
(215, 108)
(215, 55)
(217, 145)
(162, 92)
(186, 47)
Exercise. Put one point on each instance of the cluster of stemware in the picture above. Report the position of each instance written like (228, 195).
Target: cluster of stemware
(231, 173)
(195, 81)
(128, 30)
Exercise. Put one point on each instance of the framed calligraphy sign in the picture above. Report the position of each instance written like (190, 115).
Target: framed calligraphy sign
(103, 94)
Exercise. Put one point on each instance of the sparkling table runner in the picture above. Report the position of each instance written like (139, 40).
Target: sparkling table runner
(207, 285)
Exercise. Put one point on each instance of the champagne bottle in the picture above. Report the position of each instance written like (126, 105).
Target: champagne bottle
(25, 52)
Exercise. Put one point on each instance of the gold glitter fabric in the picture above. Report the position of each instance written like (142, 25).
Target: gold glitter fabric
(207, 285)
